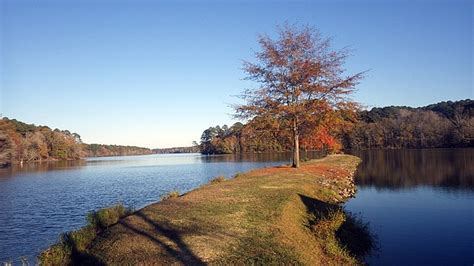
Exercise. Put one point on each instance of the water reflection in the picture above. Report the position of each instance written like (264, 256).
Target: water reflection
(260, 157)
(396, 169)
(41, 167)
(419, 203)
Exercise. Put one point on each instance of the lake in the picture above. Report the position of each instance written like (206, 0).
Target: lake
(419, 204)
(40, 201)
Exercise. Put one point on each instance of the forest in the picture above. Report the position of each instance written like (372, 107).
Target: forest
(445, 124)
(99, 150)
(22, 142)
(441, 125)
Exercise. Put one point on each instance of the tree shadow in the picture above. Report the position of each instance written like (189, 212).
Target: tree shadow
(84, 258)
(353, 234)
(182, 253)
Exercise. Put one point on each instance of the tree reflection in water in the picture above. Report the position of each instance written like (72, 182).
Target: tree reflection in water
(396, 169)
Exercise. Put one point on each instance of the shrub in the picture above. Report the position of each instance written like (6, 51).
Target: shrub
(104, 218)
(81, 238)
(57, 254)
(238, 175)
(344, 233)
(218, 179)
(75, 242)
(325, 229)
(170, 195)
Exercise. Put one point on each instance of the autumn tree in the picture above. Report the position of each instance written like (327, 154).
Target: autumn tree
(302, 81)
(6, 150)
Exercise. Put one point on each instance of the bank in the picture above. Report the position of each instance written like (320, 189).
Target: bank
(270, 215)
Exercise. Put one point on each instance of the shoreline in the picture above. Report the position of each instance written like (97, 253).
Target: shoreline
(54, 160)
(273, 214)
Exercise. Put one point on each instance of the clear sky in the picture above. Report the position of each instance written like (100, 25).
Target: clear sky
(156, 74)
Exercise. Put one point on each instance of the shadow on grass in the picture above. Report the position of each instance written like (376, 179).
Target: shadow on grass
(83, 258)
(331, 222)
(66, 252)
(182, 253)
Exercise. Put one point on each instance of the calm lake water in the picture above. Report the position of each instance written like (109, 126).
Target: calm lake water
(40, 201)
(419, 204)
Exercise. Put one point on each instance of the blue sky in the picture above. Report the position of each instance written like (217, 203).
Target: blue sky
(156, 74)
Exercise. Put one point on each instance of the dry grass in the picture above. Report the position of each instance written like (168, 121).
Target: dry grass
(217, 180)
(268, 216)
(170, 195)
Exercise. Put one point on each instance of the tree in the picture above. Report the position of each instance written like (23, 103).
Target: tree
(301, 81)
(206, 138)
(6, 150)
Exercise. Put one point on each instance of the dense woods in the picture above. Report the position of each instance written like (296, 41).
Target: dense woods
(445, 124)
(21, 142)
(95, 150)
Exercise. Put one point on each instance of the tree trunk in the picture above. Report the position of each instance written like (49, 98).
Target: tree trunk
(296, 145)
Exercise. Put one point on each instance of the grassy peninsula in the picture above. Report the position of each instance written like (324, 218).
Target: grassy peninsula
(269, 215)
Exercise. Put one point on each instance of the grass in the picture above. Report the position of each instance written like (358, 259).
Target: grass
(344, 234)
(170, 195)
(276, 215)
(238, 175)
(72, 245)
(106, 217)
(217, 180)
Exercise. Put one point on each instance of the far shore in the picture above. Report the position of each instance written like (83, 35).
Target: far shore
(101, 156)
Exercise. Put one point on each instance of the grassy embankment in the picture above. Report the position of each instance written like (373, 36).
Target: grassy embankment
(269, 215)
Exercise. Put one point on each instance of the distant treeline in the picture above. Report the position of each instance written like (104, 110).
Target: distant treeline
(21, 142)
(189, 149)
(445, 124)
(98, 150)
